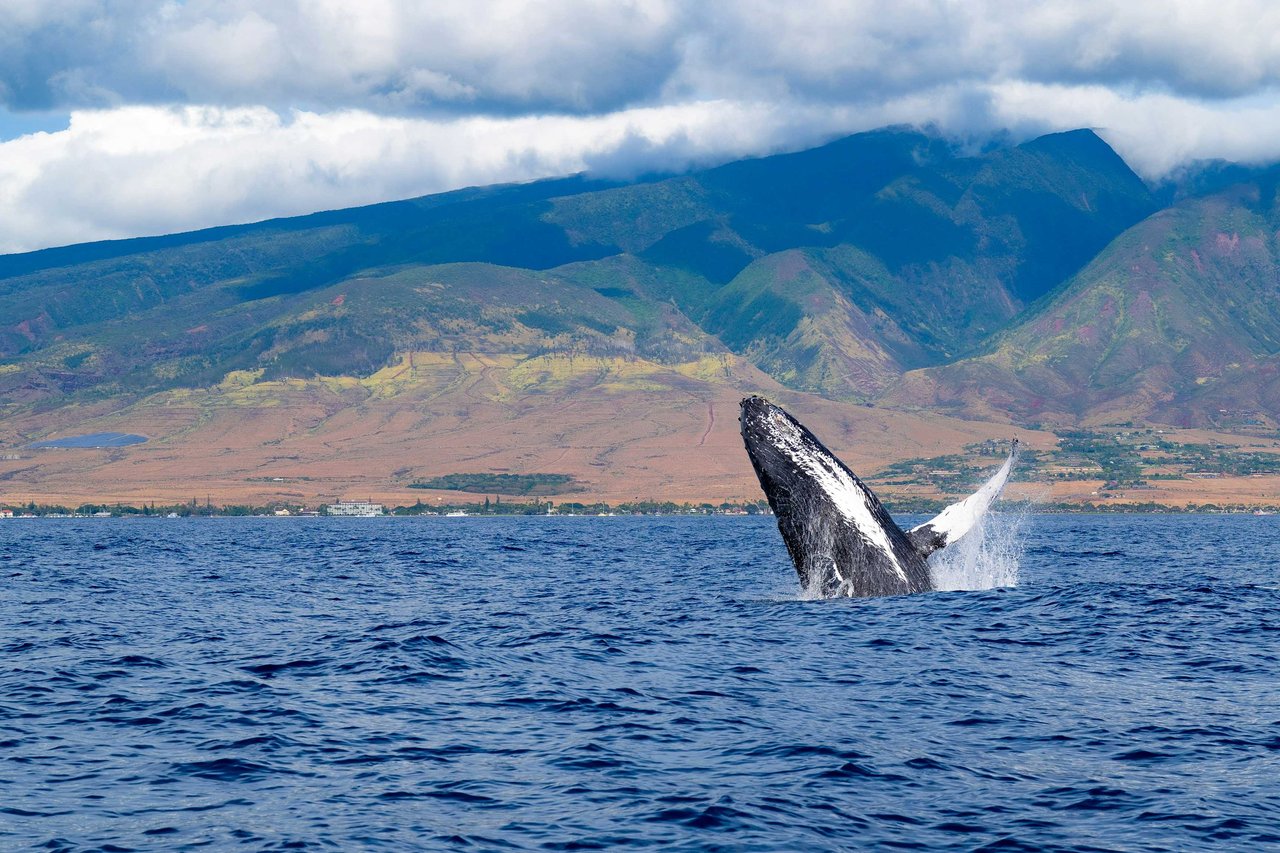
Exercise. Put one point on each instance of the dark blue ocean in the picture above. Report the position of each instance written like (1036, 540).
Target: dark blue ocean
(598, 683)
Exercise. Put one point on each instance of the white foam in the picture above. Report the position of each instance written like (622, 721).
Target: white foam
(987, 557)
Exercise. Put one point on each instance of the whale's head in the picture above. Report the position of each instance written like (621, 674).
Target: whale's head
(753, 411)
(758, 416)
(781, 450)
(757, 420)
(772, 436)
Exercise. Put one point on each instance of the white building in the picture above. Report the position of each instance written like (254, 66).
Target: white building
(358, 509)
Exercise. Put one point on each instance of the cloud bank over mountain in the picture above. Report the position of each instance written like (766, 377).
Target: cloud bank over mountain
(168, 116)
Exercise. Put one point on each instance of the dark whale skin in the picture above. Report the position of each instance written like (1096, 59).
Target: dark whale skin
(842, 540)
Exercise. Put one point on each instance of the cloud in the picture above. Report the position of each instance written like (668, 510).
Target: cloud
(1156, 133)
(585, 56)
(151, 170)
(186, 114)
(140, 170)
(382, 55)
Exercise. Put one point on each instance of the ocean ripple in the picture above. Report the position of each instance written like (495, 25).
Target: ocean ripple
(562, 683)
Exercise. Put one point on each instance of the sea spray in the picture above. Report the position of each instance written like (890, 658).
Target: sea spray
(985, 558)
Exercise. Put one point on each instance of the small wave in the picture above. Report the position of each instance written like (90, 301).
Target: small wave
(231, 770)
(560, 699)
(267, 670)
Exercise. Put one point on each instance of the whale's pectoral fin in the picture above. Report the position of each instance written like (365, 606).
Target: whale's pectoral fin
(959, 518)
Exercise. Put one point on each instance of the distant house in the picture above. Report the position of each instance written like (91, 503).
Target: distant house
(6, 513)
(356, 509)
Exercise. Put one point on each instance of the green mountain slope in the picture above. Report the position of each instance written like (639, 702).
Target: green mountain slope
(354, 328)
(833, 270)
(975, 238)
(813, 319)
(1177, 321)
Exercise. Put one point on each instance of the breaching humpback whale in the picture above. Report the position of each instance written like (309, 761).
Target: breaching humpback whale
(840, 537)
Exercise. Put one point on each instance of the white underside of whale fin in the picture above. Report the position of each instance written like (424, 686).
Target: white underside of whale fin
(959, 518)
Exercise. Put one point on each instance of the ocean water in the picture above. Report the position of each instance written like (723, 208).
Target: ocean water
(599, 683)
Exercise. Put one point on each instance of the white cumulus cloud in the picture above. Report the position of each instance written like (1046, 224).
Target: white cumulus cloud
(195, 113)
(152, 170)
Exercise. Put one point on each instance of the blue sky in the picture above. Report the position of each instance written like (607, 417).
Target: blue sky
(13, 125)
(136, 117)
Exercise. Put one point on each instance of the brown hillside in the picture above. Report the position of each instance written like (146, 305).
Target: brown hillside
(626, 428)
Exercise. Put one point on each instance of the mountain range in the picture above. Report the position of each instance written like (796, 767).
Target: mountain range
(888, 280)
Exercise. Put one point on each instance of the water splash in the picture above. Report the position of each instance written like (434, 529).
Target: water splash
(811, 591)
(987, 557)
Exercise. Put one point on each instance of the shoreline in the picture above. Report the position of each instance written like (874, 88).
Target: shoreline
(537, 508)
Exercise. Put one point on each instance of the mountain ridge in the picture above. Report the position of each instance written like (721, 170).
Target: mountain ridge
(1042, 283)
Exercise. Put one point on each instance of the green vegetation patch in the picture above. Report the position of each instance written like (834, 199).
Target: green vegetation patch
(1120, 461)
(502, 484)
(562, 323)
(1216, 459)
